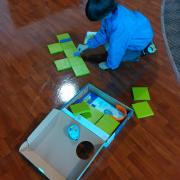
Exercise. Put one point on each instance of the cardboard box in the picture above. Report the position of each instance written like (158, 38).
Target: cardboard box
(51, 150)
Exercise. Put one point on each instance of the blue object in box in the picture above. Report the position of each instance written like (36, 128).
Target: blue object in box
(74, 132)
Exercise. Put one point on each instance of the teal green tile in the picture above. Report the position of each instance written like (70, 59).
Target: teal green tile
(80, 70)
(68, 45)
(140, 93)
(142, 109)
(108, 124)
(62, 64)
(63, 36)
(80, 108)
(94, 116)
(70, 52)
(55, 48)
(75, 61)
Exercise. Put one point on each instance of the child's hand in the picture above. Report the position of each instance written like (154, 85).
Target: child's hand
(103, 66)
(81, 48)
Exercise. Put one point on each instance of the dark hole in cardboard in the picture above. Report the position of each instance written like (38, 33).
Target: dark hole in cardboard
(85, 150)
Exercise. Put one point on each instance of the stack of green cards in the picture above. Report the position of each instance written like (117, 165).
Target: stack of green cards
(142, 109)
(72, 60)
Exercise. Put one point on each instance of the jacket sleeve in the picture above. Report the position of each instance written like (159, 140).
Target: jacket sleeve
(117, 48)
(100, 38)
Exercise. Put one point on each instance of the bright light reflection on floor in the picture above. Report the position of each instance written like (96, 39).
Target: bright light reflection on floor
(66, 92)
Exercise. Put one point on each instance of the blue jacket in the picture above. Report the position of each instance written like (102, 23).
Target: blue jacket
(124, 30)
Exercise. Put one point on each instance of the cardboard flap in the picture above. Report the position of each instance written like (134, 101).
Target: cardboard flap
(42, 165)
(51, 150)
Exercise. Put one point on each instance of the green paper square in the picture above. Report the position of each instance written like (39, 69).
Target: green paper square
(108, 124)
(79, 67)
(80, 108)
(68, 45)
(55, 48)
(75, 61)
(80, 70)
(95, 115)
(70, 52)
(86, 115)
(63, 36)
(62, 64)
(142, 109)
(140, 93)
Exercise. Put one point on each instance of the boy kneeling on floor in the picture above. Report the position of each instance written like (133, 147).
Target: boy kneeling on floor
(126, 34)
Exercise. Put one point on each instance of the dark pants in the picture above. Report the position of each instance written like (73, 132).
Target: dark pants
(131, 56)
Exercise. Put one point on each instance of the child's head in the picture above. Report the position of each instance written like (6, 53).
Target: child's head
(98, 9)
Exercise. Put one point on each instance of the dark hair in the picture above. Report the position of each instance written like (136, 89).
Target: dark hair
(98, 9)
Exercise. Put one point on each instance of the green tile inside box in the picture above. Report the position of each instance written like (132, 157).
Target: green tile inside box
(80, 108)
(62, 64)
(108, 124)
(63, 36)
(55, 48)
(142, 109)
(68, 45)
(140, 93)
(95, 115)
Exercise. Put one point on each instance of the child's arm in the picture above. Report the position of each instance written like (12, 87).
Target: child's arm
(100, 38)
(117, 48)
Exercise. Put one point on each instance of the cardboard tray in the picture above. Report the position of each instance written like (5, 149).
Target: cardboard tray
(51, 150)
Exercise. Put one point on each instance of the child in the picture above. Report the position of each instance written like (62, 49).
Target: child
(128, 33)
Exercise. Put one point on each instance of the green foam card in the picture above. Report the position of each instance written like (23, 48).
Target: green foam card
(81, 70)
(75, 61)
(63, 36)
(70, 52)
(108, 124)
(142, 109)
(80, 108)
(68, 45)
(79, 67)
(62, 64)
(95, 115)
(140, 93)
(55, 48)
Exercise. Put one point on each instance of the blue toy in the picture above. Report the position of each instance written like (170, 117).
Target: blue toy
(73, 132)
(108, 112)
(77, 53)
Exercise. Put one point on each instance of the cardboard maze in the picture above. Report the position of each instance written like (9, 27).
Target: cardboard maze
(66, 46)
(63, 145)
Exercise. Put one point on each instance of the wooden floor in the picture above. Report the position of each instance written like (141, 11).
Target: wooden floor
(30, 87)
